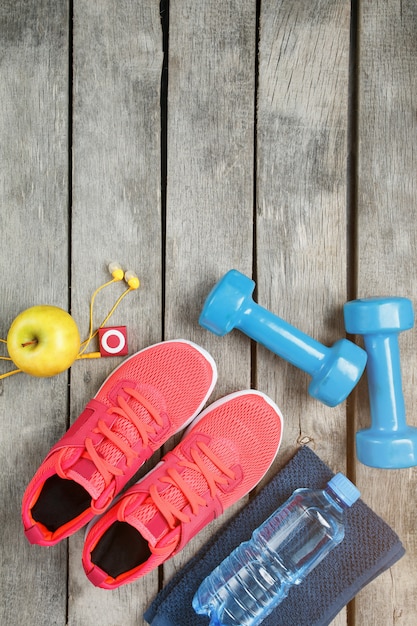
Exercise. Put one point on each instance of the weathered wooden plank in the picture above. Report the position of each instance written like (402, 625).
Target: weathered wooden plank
(301, 204)
(116, 216)
(301, 199)
(210, 179)
(34, 258)
(387, 244)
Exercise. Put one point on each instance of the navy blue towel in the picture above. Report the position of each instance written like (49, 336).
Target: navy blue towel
(370, 547)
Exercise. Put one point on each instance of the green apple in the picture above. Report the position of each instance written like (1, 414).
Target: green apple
(43, 340)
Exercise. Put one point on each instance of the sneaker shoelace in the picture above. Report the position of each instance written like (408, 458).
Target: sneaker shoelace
(106, 468)
(221, 475)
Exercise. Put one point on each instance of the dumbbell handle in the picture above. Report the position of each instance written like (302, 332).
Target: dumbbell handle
(283, 339)
(386, 397)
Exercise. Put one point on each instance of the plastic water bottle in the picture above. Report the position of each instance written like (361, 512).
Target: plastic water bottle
(258, 574)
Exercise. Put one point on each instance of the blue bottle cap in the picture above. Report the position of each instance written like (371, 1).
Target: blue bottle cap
(344, 489)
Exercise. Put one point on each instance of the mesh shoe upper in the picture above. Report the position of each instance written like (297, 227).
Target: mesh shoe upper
(149, 397)
(222, 457)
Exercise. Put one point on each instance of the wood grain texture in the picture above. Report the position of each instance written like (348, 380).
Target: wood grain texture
(116, 216)
(387, 245)
(34, 259)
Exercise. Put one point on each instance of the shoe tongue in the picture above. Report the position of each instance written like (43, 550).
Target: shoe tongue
(84, 473)
(150, 523)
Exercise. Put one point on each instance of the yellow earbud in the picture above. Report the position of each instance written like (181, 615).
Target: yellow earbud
(132, 280)
(116, 271)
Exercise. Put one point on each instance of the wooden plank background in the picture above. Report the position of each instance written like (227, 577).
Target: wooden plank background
(183, 139)
(386, 262)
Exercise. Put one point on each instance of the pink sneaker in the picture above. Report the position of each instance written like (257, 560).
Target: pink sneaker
(147, 399)
(222, 456)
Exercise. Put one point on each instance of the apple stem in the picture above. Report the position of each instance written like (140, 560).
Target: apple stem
(30, 343)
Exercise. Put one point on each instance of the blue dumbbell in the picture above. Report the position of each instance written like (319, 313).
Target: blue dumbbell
(389, 442)
(335, 371)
